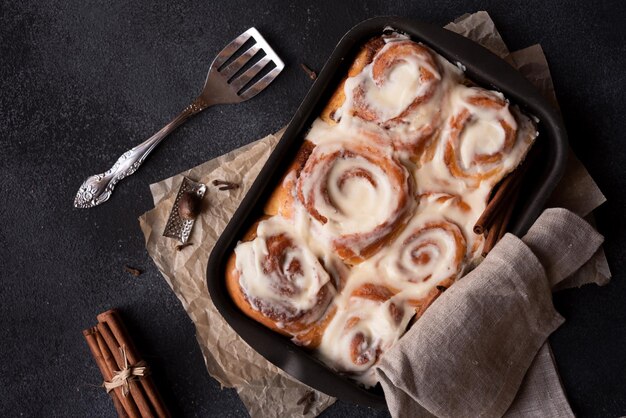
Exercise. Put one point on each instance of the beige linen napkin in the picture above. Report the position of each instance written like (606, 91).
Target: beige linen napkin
(264, 389)
(469, 353)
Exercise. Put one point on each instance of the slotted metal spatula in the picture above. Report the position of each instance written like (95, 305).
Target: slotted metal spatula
(229, 81)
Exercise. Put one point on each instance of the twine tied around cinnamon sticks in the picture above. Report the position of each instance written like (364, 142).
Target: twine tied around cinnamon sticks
(126, 374)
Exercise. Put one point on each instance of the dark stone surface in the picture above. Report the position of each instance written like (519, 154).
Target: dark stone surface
(82, 81)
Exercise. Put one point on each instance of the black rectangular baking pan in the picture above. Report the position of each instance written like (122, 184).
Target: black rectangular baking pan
(482, 67)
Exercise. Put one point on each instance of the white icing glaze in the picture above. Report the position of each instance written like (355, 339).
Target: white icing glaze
(355, 201)
(481, 137)
(358, 204)
(379, 329)
(434, 248)
(264, 285)
(482, 134)
(402, 85)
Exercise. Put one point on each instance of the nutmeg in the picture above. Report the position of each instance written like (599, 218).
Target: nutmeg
(189, 205)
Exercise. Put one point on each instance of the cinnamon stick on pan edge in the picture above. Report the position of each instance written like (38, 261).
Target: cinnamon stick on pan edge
(497, 214)
(499, 225)
(496, 202)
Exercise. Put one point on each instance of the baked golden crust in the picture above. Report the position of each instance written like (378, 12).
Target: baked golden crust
(281, 200)
(306, 327)
(236, 293)
(364, 57)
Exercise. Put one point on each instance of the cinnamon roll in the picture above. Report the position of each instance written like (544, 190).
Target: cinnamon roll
(369, 322)
(403, 76)
(358, 195)
(462, 212)
(402, 92)
(483, 140)
(424, 255)
(276, 279)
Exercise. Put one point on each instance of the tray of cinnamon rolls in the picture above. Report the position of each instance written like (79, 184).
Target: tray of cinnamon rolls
(365, 212)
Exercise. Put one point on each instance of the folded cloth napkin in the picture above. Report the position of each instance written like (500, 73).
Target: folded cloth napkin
(466, 358)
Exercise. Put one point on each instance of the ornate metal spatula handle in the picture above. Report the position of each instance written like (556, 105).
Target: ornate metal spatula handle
(98, 188)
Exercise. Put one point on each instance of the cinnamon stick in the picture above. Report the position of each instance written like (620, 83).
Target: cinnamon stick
(225, 185)
(506, 218)
(312, 75)
(127, 401)
(135, 391)
(135, 272)
(499, 225)
(497, 201)
(111, 320)
(490, 212)
(109, 341)
(507, 188)
(90, 337)
(490, 242)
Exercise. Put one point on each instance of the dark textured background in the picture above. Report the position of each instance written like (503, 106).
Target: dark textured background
(82, 81)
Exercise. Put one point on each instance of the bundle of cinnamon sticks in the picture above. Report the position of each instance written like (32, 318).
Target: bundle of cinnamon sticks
(495, 219)
(125, 375)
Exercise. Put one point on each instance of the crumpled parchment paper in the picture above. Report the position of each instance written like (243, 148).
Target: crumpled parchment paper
(264, 389)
